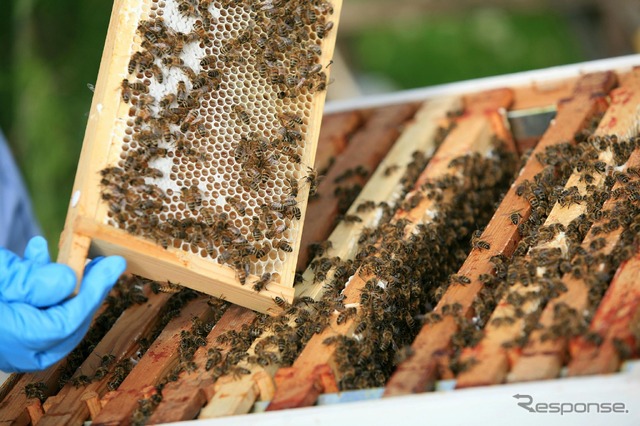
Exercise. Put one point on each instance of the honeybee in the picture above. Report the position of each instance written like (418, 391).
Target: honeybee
(237, 372)
(481, 244)
(232, 57)
(242, 115)
(190, 121)
(169, 287)
(280, 302)
(152, 172)
(229, 45)
(238, 205)
(187, 9)
(255, 230)
(515, 217)
(351, 218)
(36, 390)
(202, 131)
(345, 315)
(172, 61)
(289, 135)
(167, 100)
(323, 29)
(242, 271)
(261, 284)
(312, 180)
(460, 279)
(181, 93)
(283, 245)
(315, 69)
(199, 81)
(208, 60)
(476, 242)
(128, 88)
(293, 187)
(200, 31)
(157, 73)
(272, 233)
(289, 119)
(141, 60)
(81, 380)
(191, 196)
(321, 83)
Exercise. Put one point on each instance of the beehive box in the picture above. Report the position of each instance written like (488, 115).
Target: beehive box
(375, 332)
(204, 127)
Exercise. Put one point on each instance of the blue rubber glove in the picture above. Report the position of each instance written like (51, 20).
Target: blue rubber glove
(39, 325)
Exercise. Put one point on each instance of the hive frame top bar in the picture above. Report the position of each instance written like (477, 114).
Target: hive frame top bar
(545, 75)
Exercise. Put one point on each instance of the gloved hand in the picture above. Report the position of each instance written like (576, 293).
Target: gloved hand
(38, 325)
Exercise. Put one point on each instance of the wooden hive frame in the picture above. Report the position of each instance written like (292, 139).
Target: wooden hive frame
(578, 100)
(86, 232)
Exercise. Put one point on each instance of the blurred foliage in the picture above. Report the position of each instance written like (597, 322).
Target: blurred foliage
(477, 43)
(51, 50)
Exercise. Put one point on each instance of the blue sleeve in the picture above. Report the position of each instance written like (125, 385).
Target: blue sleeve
(17, 223)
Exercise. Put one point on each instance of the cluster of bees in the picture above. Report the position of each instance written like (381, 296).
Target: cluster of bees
(593, 264)
(196, 119)
(408, 266)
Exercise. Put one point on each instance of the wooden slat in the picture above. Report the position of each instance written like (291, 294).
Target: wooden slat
(617, 318)
(183, 399)
(432, 345)
(384, 185)
(67, 406)
(236, 395)
(543, 358)
(8, 385)
(102, 145)
(540, 94)
(154, 262)
(335, 132)
(367, 148)
(301, 384)
(157, 362)
(491, 360)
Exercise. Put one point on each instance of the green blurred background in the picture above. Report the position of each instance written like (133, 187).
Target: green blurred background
(51, 51)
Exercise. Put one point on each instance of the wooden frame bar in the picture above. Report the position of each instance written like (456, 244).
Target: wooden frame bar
(85, 226)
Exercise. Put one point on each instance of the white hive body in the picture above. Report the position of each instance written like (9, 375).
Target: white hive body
(217, 141)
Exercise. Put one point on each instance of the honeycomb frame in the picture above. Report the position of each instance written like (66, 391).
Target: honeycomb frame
(89, 225)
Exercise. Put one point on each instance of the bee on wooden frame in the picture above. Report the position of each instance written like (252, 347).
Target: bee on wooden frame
(261, 283)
